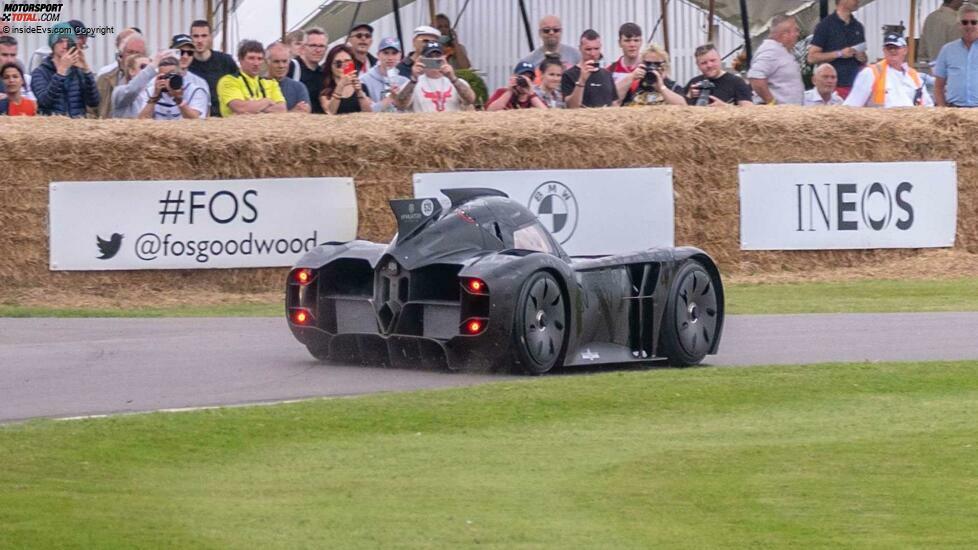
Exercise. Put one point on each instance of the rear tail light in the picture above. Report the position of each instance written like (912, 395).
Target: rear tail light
(475, 286)
(472, 327)
(302, 276)
(301, 316)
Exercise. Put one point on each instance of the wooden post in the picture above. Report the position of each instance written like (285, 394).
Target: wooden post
(224, 25)
(911, 43)
(664, 8)
(209, 7)
(285, 18)
(432, 11)
(709, 20)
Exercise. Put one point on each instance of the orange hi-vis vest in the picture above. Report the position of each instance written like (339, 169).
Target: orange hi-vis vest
(879, 82)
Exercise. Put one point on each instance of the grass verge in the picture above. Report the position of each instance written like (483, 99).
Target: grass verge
(847, 297)
(865, 455)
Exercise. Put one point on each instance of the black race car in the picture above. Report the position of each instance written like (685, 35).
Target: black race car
(483, 285)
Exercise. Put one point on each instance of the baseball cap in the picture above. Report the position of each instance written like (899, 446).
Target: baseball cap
(389, 43)
(432, 49)
(181, 40)
(893, 39)
(425, 29)
(362, 26)
(61, 31)
(523, 67)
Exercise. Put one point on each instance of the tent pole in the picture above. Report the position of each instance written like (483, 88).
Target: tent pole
(432, 11)
(912, 52)
(664, 8)
(356, 13)
(397, 22)
(526, 24)
(823, 9)
(224, 25)
(745, 21)
(285, 19)
(709, 20)
(210, 13)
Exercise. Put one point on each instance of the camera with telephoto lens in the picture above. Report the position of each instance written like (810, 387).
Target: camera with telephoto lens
(648, 82)
(522, 82)
(173, 81)
(706, 89)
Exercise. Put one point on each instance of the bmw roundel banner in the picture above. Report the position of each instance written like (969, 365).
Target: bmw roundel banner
(589, 212)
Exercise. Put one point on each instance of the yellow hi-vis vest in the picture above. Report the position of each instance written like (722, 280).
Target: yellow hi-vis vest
(879, 82)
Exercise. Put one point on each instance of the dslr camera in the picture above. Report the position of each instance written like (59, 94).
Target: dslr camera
(706, 89)
(173, 81)
(648, 83)
(522, 82)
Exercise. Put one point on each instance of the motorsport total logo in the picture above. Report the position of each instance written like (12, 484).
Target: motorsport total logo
(556, 207)
(31, 13)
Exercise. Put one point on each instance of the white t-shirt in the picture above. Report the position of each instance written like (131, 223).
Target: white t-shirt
(435, 95)
(814, 99)
(778, 66)
(900, 89)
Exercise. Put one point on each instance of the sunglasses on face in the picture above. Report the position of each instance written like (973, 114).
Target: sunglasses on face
(362, 35)
(187, 53)
(549, 30)
(969, 21)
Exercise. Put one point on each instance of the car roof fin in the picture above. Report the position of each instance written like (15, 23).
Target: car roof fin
(463, 195)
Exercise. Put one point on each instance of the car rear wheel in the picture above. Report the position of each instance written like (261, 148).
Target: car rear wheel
(319, 352)
(691, 318)
(540, 330)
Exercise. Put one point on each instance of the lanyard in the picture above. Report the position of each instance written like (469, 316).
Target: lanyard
(248, 86)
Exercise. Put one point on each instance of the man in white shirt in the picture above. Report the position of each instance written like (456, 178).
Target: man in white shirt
(823, 94)
(891, 82)
(433, 86)
(775, 74)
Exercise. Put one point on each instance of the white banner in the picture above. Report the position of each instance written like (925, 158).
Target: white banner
(589, 212)
(196, 224)
(848, 205)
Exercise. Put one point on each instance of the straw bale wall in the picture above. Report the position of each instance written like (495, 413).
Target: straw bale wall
(704, 146)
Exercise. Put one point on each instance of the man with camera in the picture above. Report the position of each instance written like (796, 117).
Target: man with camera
(64, 84)
(433, 86)
(247, 93)
(715, 87)
(107, 80)
(422, 36)
(519, 93)
(649, 84)
(588, 84)
(171, 96)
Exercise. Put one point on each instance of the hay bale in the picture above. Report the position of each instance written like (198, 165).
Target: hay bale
(382, 151)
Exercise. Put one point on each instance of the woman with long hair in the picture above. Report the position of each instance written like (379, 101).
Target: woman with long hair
(342, 90)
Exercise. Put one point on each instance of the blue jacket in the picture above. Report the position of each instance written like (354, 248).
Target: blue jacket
(63, 95)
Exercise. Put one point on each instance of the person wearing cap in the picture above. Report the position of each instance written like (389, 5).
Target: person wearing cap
(518, 94)
(551, 31)
(296, 95)
(133, 44)
(840, 39)
(171, 97)
(891, 82)
(64, 84)
(247, 93)
(383, 81)
(184, 50)
(455, 53)
(209, 64)
(361, 37)
(423, 36)
(434, 89)
(307, 69)
(956, 68)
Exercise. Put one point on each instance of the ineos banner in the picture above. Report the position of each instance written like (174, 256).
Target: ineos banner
(195, 224)
(589, 212)
(847, 206)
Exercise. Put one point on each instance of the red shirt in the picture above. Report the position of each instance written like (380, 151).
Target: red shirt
(618, 69)
(513, 103)
(27, 107)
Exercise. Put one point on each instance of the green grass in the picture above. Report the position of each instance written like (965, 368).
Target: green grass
(851, 297)
(863, 455)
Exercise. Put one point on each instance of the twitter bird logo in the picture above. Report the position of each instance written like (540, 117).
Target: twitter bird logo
(109, 248)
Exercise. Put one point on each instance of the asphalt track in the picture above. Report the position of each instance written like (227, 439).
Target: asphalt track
(78, 367)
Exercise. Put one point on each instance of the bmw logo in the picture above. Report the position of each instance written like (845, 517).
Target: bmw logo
(556, 207)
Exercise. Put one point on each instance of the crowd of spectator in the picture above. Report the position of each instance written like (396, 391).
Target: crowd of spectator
(192, 80)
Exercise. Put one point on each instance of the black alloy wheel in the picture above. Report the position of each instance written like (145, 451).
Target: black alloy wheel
(541, 324)
(689, 324)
